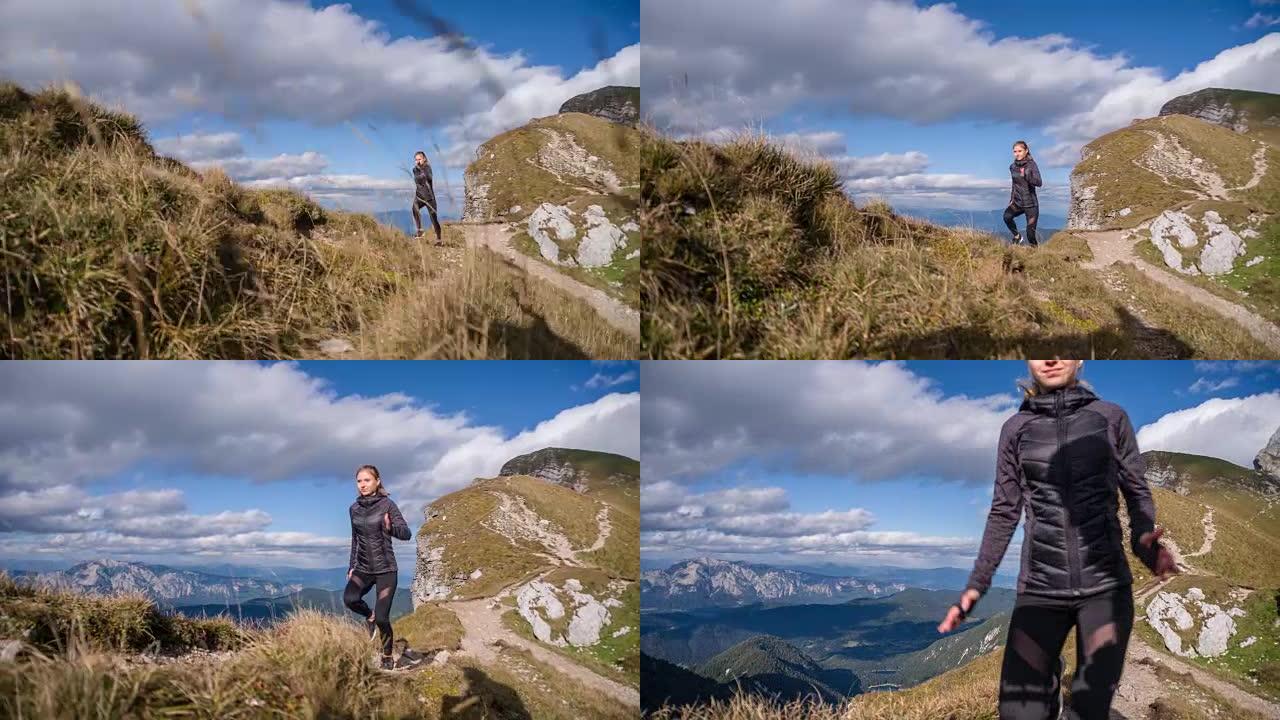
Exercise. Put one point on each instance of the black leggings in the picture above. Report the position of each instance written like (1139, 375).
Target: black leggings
(418, 204)
(353, 598)
(1037, 632)
(1032, 213)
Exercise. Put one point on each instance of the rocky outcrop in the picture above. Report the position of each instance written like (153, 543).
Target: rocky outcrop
(550, 225)
(1171, 614)
(551, 464)
(1084, 211)
(540, 601)
(615, 103)
(1215, 105)
(1267, 461)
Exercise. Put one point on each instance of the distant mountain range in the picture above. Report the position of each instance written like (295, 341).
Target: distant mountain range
(991, 221)
(403, 220)
(271, 609)
(709, 582)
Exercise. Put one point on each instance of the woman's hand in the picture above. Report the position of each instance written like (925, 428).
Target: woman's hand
(953, 619)
(349, 575)
(1165, 565)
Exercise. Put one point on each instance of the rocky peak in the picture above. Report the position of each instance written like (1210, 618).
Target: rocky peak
(1267, 461)
(615, 103)
(1211, 105)
(550, 464)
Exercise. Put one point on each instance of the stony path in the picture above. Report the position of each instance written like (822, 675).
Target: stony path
(1210, 533)
(1112, 246)
(1139, 686)
(482, 622)
(606, 527)
(496, 237)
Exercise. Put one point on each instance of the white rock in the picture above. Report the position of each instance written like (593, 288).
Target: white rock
(1171, 225)
(631, 226)
(1195, 593)
(588, 620)
(1236, 612)
(1248, 641)
(627, 628)
(547, 219)
(612, 602)
(1125, 212)
(532, 596)
(633, 254)
(514, 209)
(1249, 233)
(476, 574)
(1217, 630)
(1253, 260)
(602, 239)
(1166, 608)
(573, 585)
(1221, 249)
(441, 658)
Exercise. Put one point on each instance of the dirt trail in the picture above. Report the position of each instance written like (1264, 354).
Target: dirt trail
(496, 237)
(482, 621)
(514, 519)
(1139, 685)
(606, 527)
(1112, 246)
(1259, 169)
(1210, 533)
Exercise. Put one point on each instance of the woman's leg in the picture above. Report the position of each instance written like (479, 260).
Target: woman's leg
(1009, 214)
(353, 598)
(1033, 214)
(1028, 681)
(1102, 638)
(435, 222)
(417, 219)
(382, 609)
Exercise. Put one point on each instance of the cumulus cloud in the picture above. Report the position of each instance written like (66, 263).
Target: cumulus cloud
(920, 64)
(65, 427)
(1233, 429)
(201, 146)
(847, 419)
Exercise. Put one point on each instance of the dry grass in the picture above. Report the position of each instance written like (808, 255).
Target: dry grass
(430, 627)
(752, 252)
(110, 251)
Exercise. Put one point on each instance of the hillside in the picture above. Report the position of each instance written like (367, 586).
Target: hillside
(753, 252)
(767, 665)
(1191, 198)
(567, 187)
(272, 609)
(113, 251)
(709, 582)
(68, 655)
(665, 684)
(615, 103)
(547, 566)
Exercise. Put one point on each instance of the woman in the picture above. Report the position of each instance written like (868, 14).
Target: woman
(1022, 198)
(424, 194)
(375, 519)
(1062, 457)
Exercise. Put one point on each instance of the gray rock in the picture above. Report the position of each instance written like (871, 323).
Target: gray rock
(1217, 630)
(1267, 461)
(1166, 614)
(538, 594)
(615, 103)
(547, 220)
(602, 239)
(1221, 249)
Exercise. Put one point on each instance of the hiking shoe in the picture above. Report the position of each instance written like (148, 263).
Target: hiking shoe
(418, 234)
(1017, 239)
(386, 663)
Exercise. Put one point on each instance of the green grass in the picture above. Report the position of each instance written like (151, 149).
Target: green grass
(430, 627)
(469, 545)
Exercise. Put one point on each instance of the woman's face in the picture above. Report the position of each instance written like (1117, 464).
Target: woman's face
(1019, 152)
(1053, 374)
(365, 482)
(420, 160)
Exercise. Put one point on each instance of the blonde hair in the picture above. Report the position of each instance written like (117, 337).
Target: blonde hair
(1031, 388)
(373, 469)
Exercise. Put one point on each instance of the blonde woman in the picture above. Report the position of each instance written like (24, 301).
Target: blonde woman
(1062, 458)
(375, 519)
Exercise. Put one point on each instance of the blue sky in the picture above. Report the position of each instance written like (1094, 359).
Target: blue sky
(919, 103)
(888, 463)
(194, 463)
(331, 99)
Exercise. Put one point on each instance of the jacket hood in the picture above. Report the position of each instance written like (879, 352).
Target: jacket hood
(1072, 398)
(368, 500)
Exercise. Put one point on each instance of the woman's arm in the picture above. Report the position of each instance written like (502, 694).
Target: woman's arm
(399, 528)
(351, 564)
(1137, 494)
(1033, 174)
(1006, 509)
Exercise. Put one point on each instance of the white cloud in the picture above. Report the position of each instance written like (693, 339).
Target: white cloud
(1258, 20)
(66, 426)
(280, 166)
(602, 380)
(1207, 385)
(887, 165)
(848, 419)
(1233, 429)
(201, 146)
(920, 64)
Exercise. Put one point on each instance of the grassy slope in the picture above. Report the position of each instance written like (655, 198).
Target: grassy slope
(503, 164)
(752, 252)
(114, 252)
(309, 666)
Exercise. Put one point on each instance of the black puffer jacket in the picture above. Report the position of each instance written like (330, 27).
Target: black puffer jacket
(1062, 457)
(1025, 175)
(371, 552)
